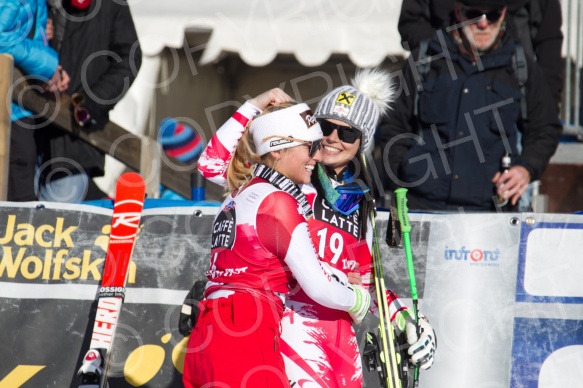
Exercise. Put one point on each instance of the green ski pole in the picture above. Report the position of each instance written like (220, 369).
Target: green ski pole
(403, 214)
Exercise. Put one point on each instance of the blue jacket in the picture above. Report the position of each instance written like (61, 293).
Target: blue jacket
(31, 55)
(467, 118)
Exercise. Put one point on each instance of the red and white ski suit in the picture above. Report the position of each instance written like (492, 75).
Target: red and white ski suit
(319, 344)
(260, 244)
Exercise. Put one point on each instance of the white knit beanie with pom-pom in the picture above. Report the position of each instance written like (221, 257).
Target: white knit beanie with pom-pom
(362, 104)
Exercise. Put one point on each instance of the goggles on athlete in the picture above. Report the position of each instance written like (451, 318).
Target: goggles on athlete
(492, 15)
(345, 134)
(344, 199)
(80, 113)
(313, 146)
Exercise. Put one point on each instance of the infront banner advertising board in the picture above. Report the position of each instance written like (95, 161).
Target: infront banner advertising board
(504, 297)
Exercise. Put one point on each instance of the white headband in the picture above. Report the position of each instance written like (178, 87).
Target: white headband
(297, 122)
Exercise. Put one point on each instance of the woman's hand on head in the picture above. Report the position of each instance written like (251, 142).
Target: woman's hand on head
(273, 96)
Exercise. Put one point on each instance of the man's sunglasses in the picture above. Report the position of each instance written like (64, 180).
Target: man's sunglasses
(492, 15)
(313, 146)
(345, 134)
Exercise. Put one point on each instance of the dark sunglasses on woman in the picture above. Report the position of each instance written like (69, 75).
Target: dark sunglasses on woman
(314, 146)
(345, 134)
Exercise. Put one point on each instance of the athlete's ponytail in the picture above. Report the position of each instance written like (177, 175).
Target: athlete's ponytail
(240, 167)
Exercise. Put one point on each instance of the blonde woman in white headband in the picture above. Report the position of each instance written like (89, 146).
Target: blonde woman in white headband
(260, 250)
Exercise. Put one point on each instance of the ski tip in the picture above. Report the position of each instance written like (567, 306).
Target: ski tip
(132, 179)
(132, 185)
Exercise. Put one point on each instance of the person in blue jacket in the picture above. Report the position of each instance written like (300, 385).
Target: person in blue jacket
(22, 35)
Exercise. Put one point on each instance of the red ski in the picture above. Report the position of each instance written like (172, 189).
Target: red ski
(127, 212)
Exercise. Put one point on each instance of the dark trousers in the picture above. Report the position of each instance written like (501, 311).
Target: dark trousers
(22, 161)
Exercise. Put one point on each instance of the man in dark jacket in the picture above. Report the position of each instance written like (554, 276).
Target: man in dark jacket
(99, 47)
(536, 24)
(445, 143)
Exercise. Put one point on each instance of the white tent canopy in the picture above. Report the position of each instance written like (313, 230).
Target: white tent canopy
(312, 30)
(258, 30)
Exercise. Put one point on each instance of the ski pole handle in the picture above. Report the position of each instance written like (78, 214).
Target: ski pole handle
(402, 210)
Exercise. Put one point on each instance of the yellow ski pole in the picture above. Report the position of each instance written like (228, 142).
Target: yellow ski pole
(393, 379)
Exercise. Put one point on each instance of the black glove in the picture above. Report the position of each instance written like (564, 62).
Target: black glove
(189, 311)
